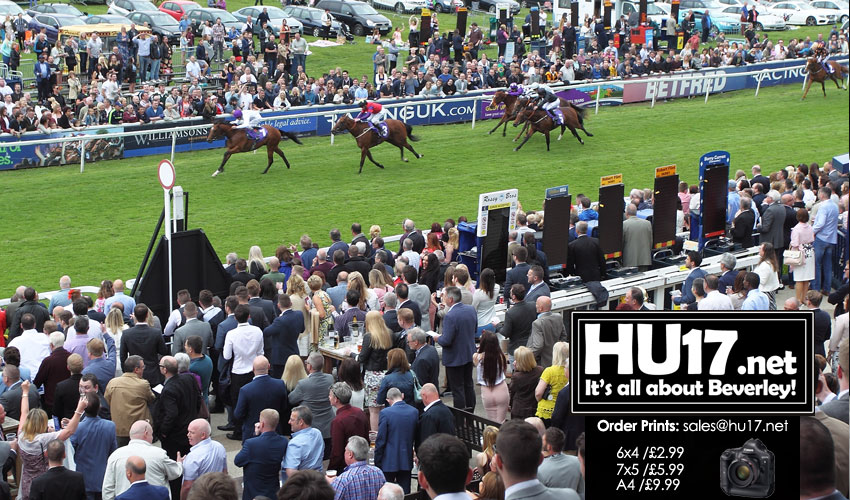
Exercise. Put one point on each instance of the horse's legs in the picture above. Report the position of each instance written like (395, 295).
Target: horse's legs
(223, 161)
(409, 147)
(808, 86)
(369, 154)
(401, 150)
(505, 128)
(581, 125)
(270, 152)
(563, 128)
(497, 126)
(575, 133)
(362, 159)
(280, 152)
(527, 137)
(524, 129)
(547, 139)
(834, 79)
(823, 87)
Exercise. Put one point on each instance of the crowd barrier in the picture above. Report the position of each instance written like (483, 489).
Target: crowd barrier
(134, 140)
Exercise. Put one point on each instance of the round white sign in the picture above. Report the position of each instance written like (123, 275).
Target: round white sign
(166, 174)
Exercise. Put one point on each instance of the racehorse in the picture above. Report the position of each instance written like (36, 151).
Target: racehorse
(398, 134)
(817, 73)
(541, 122)
(239, 142)
(510, 101)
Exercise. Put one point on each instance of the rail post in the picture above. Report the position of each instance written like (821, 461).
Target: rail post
(598, 92)
(758, 83)
(705, 77)
(654, 93)
(474, 112)
(173, 144)
(333, 122)
(82, 155)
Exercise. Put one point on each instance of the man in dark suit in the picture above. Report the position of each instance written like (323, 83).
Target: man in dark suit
(692, 262)
(257, 315)
(242, 275)
(727, 268)
(32, 306)
(283, 335)
(410, 232)
(260, 458)
(223, 395)
(140, 489)
(394, 446)
(818, 468)
(536, 286)
(11, 399)
(261, 393)
(57, 482)
(742, 225)
(760, 179)
(255, 300)
(67, 393)
(584, 256)
(458, 341)
(823, 323)
(390, 312)
(518, 319)
(443, 466)
(569, 38)
(358, 236)
(402, 291)
(357, 262)
(426, 361)
(519, 274)
(436, 419)
(145, 341)
(176, 407)
(231, 264)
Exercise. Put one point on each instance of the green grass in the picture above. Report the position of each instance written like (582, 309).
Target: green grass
(96, 225)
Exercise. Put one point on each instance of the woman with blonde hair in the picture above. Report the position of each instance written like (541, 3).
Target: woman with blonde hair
(115, 326)
(297, 291)
(368, 298)
(379, 286)
(374, 232)
(526, 376)
(293, 372)
(491, 487)
(33, 437)
(257, 265)
(377, 342)
(452, 245)
(552, 380)
(488, 438)
(322, 304)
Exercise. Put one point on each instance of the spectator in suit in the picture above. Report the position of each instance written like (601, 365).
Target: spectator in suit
(312, 392)
(306, 449)
(518, 455)
(394, 446)
(255, 300)
(348, 422)
(242, 275)
(519, 274)
(537, 287)
(11, 399)
(30, 305)
(635, 299)
(518, 319)
(637, 240)
(692, 262)
(817, 462)
(443, 466)
(823, 323)
(727, 270)
(772, 225)
(140, 489)
(68, 391)
(426, 361)
(178, 404)
(436, 418)
(261, 456)
(584, 256)
(420, 294)
(145, 341)
(53, 369)
(283, 335)
(262, 392)
(93, 442)
(128, 397)
(743, 224)
(359, 480)
(354, 312)
(193, 326)
(224, 397)
(559, 470)
(390, 312)
(57, 482)
(205, 456)
(838, 406)
(402, 291)
(458, 341)
(547, 329)
(159, 468)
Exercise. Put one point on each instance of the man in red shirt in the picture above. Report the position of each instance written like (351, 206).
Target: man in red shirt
(349, 421)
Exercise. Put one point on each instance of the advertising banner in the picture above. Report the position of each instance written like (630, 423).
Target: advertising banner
(155, 139)
(14, 156)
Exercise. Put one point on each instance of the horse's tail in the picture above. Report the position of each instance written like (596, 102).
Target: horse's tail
(410, 135)
(580, 112)
(291, 136)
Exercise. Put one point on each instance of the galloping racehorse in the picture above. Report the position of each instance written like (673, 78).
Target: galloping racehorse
(541, 122)
(510, 101)
(397, 135)
(239, 142)
(818, 74)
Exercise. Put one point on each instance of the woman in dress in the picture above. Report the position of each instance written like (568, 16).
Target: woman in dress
(373, 356)
(767, 270)
(257, 265)
(33, 438)
(398, 375)
(122, 39)
(322, 304)
(490, 363)
(297, 291)
(349, 372)
(803, 238)
(484, 300)
(552, 380)
(525, 377)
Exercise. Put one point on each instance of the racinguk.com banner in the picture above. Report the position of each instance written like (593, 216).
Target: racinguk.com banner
(694, 405)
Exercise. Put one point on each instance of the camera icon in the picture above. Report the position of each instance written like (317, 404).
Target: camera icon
(748, 471)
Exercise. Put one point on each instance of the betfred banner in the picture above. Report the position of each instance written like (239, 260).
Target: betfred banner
(669, 399)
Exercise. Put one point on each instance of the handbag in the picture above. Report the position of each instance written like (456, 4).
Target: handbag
(417, 388)
(793, 257)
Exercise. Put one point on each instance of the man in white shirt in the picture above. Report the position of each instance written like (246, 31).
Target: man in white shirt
(413, 258)
(193, 69)
(5, 89)
(33, 345)
(714, 300)
(160, 468)
(176, 319)
(110, 87)
(205, 455)
(242, 345)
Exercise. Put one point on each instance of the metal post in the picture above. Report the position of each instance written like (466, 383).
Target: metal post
(805, 77)
(758, 84)
(333, 123)
(598, 92)
(705, 77)
(474, 111)
(654, 93)
(167, 210)
(173, 147)
(82, 155)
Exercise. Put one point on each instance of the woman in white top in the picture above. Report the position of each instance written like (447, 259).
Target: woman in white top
(368, 298)
(767, 271)
(484, 300)
(840, 331)
(802, 238)
(115, 326)
(490, 363)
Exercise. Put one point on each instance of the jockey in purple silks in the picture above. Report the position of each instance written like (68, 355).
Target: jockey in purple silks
(250, 119)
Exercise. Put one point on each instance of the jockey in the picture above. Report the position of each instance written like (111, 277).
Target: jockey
(550, 102)
(516, 90)
(530, 92)
(250, 119)
(373, 114)
(822, 55)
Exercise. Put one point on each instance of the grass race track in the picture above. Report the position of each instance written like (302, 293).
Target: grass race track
(97, 224)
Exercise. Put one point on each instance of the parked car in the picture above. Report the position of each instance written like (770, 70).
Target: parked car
(719, 23)
(159, 22)
(447, 5)
(178, 8)
(799, 13)
(276, 16)
(765, 21)
(840, 11)
(491, 5)
(401, 6)
(202, 14)
(108, 19)
(310, 19)
(654, 11)
(7, 7)
(55, 8)
(52, 23)
(124, 7)
(358, 16)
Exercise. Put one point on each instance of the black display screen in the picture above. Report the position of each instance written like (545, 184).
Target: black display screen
(664, 211)
(611, 207)
(556, 230)
(494, 246)
(714, 193)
